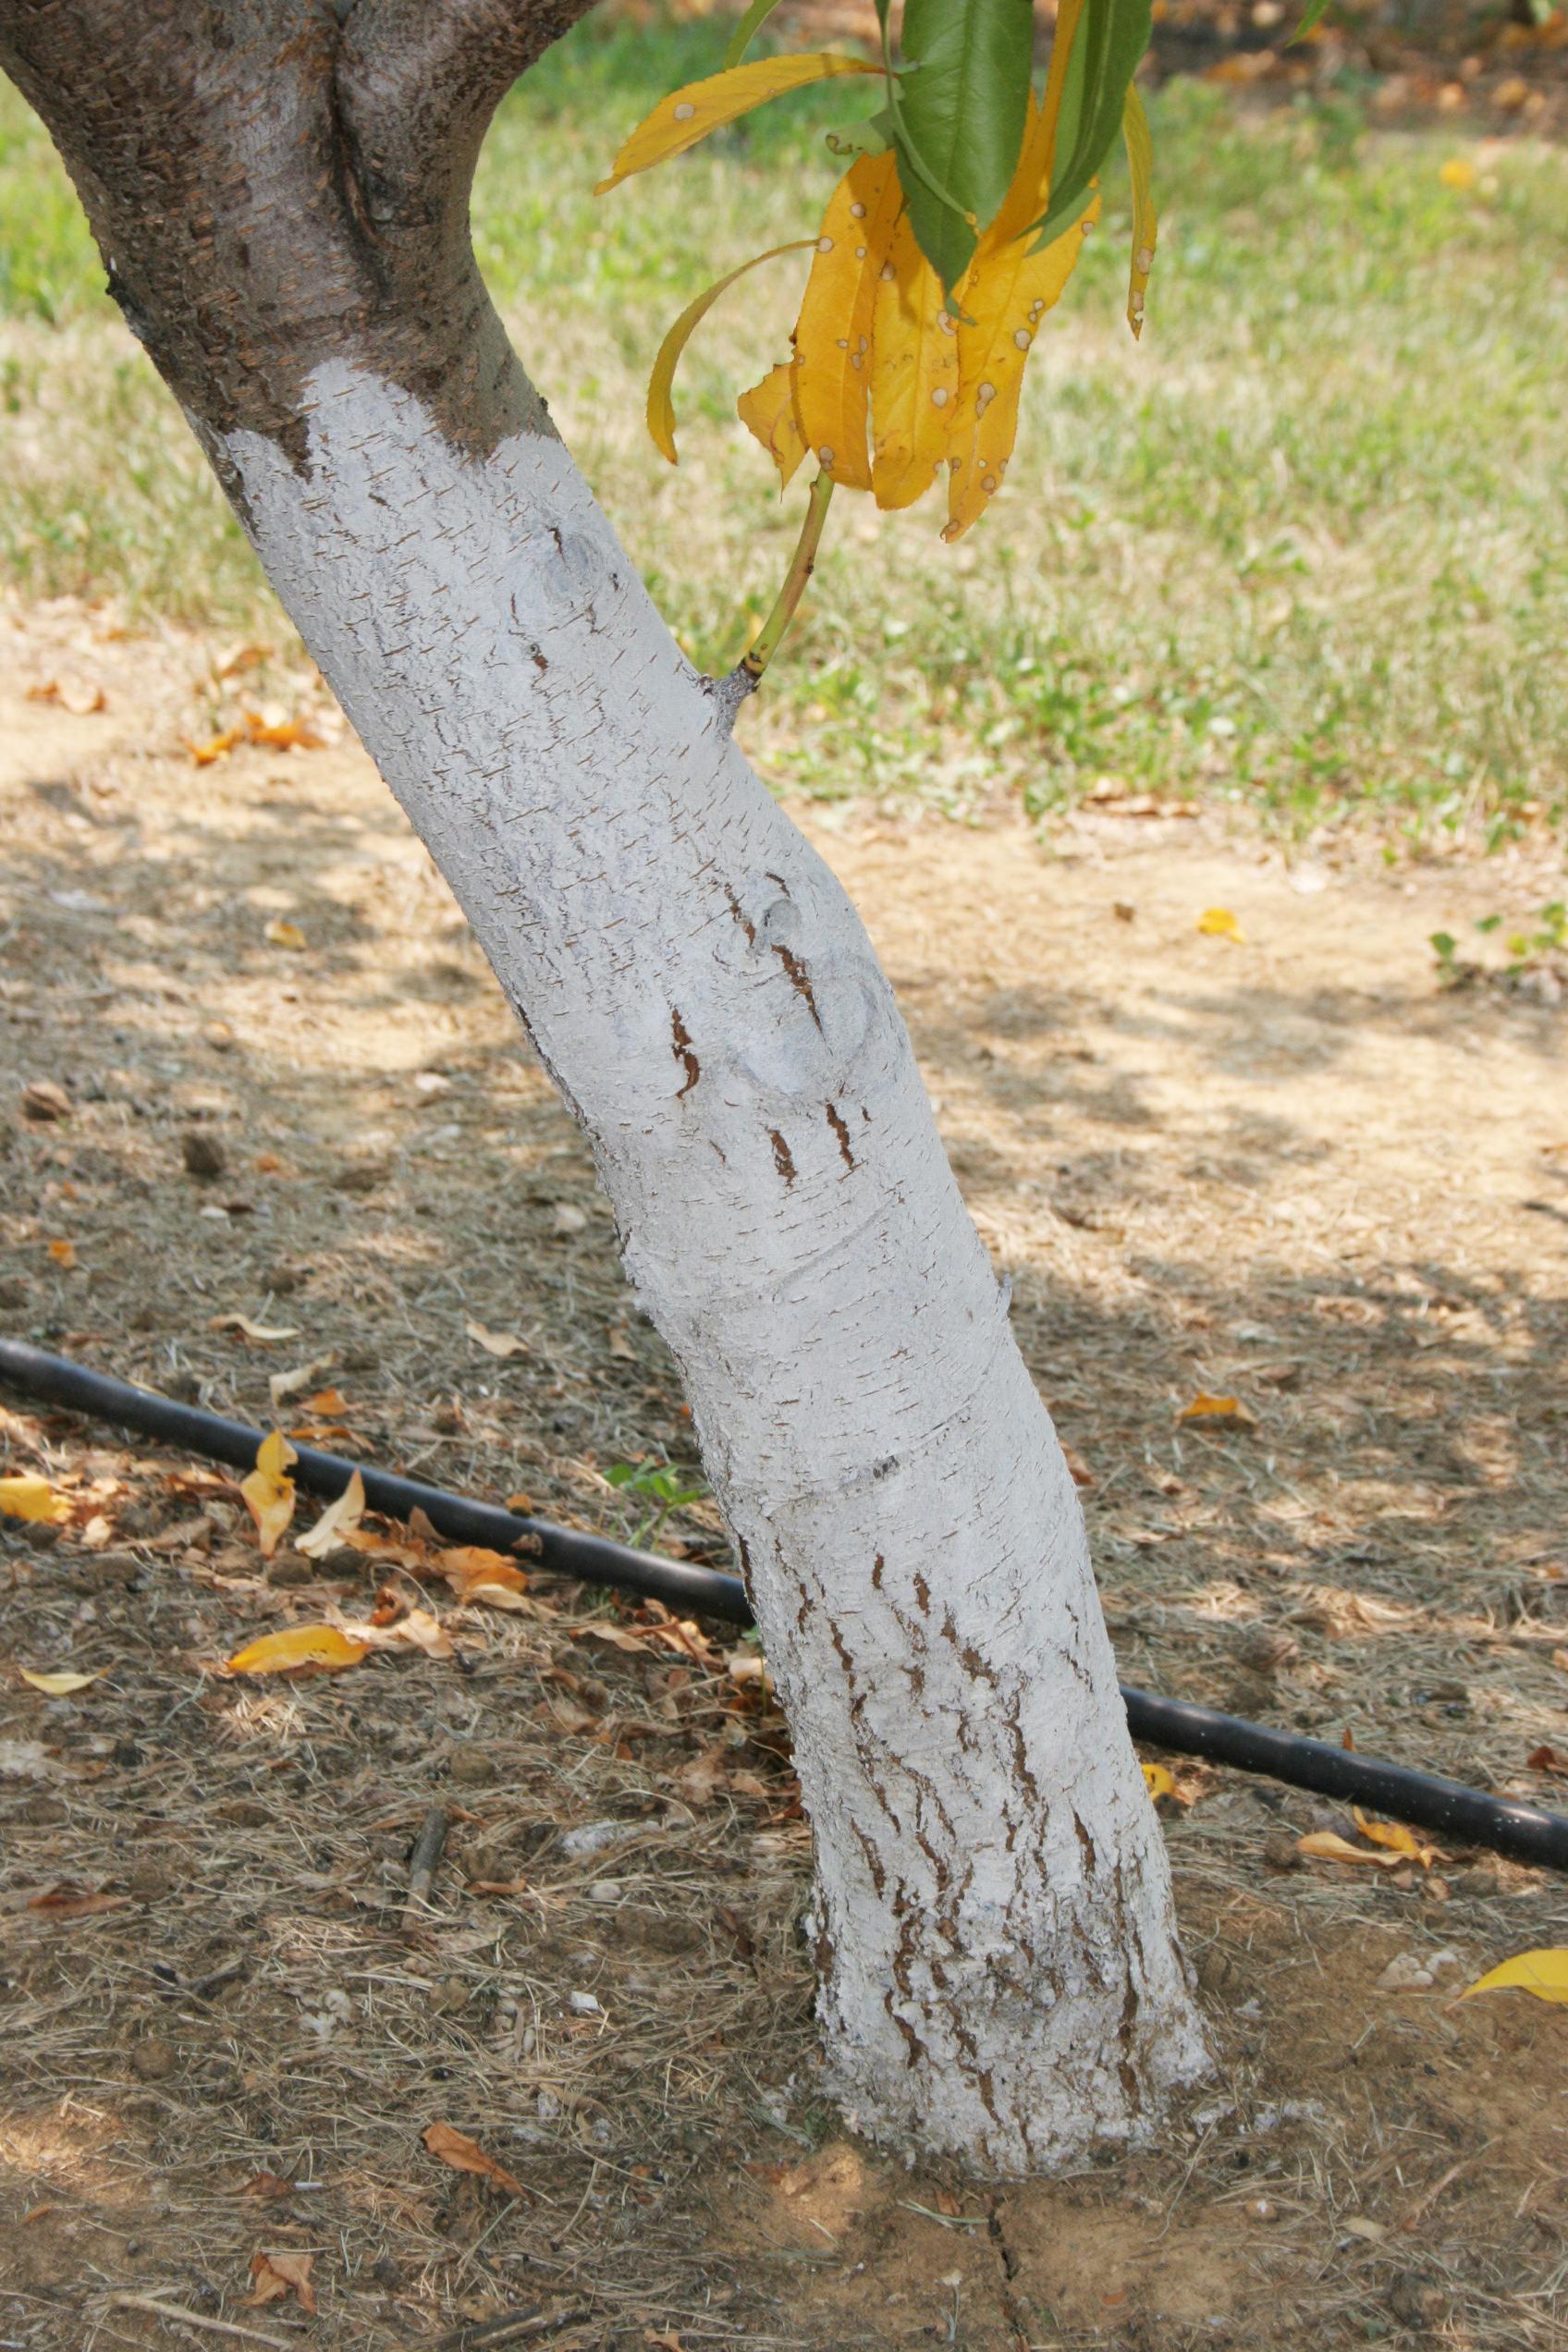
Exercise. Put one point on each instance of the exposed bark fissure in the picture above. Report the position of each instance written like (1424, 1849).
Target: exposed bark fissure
(284, 197)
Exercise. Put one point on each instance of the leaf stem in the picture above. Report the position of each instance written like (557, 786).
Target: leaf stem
(802, 565)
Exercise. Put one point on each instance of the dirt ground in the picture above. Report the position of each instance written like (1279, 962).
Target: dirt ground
(1290, 1168)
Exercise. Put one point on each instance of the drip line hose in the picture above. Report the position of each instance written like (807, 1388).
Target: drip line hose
(1525, 1833)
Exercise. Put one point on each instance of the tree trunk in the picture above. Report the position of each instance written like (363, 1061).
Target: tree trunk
(998, 1972)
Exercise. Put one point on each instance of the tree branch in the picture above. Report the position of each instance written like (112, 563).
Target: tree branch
(417, 86)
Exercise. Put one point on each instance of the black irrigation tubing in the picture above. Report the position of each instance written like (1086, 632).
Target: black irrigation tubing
(1469, 1816)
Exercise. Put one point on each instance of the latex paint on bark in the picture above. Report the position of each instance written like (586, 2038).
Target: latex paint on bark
(998, 1970)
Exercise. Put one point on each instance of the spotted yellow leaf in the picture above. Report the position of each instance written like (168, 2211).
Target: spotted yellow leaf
(661, 404)
(269, 1492)
(1146, 220)
(689, 114)
(914, 374)
(296, 1647)
(61, 1684)
(1219, 923)
(768, 411)
(1544, 1973)
(1003, 298)
(1158, 1781)
(832, 378)
(27, 1496)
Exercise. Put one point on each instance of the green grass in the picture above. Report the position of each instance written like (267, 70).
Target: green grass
(1305, 547)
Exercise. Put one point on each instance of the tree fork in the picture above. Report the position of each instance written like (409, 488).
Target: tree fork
(279, 189)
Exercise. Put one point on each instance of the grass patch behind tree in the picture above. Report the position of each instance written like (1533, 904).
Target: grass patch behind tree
(1305, 547)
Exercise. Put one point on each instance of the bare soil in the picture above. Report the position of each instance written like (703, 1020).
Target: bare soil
(1293, 1169)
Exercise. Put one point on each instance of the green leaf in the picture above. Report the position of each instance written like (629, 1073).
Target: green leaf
(746, 30)
(960, 119)
(873, 137)
(1111, 37)
(1314, 12)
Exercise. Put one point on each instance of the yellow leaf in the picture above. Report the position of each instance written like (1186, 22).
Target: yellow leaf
(1458, 173)
(336, 1522)
(661, 405)
(282, 735)
(689, 114)
(1398, 1839)
(913, 374)
(768, 411)
(1543, 1972)
(1325, 1845)
(1031, 186)
(1219, 923)
(215, 747)
(269, 1494)
(465, 2155)
(832, 377)
(284, 934)
(1146, 220)
(502, 1343)
(63, 1253)
(27, 1496)
(1204, 1407)
(297, 1645)
(60, 1685)
(1005, 293)
(1159, 1780)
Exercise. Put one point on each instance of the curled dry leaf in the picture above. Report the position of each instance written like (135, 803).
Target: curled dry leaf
(61, 1684)
(1204, 1407)
(337, 1523)
(1544, 1973)
(263, 1334)
(269, 1491)
(465, 2155)
(43, 1099)
(281, 933)
(1326, 1845)
(501, 1344)
(1396, 1839)
(28, 1496)
(284, 1386)
(296, 1647)
(68, 1900)
(272, 2275)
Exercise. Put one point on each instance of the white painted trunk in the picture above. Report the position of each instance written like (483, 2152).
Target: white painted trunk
(999, 1971)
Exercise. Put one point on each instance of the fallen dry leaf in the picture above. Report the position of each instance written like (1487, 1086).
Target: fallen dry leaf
(61, 1684)
(263, 1334)
(269, 1492)
(465, 2155)
(284, 1386)
(299, 1646)
(336, 1522)
(43, 1099)
(267, 2184)
(63, 1253)
(272, 2275)
(1543, 1972)
(1548, 1759)
(1204, 1407)
(214, 747)
(1326, 1845)
(477, 1575)
(80, 696)
(1219, 923)
(281, 933)
(1559, 1658)
(327, 1405)
(1158, 1781)
(68, 1900)
(27, 1496)
(282, 735)
(1396, 1839)
(501, 1344)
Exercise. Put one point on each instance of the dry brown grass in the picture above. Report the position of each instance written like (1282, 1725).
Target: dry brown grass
(1295, 1170)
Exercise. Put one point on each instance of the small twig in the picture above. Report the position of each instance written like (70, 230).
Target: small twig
(511, 2327)
(196, 2320)
(770, 636)
(425, 1860)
